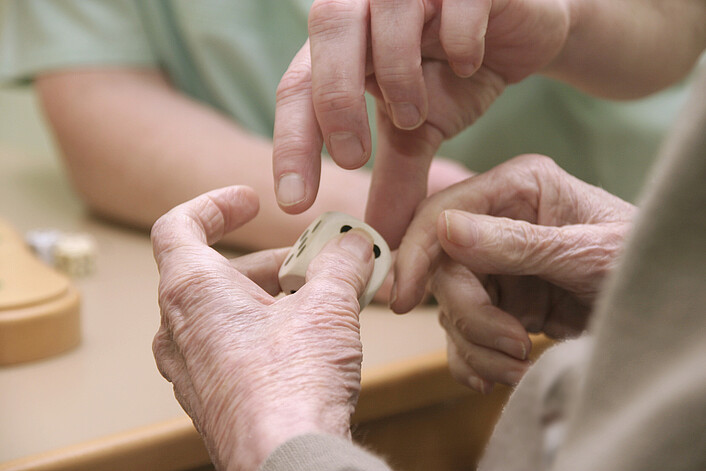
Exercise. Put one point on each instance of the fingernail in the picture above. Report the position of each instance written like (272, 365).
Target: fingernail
(405, 115)
(290, 189)
(358, 243)
(464, 69)
(459, 229)
(513, 377)
(512, 347)
(393, 293)
(480, 385)
(347, 149)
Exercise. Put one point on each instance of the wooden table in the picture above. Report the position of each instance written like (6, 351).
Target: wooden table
(105, 406)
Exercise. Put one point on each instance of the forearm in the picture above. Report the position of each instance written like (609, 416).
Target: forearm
(630, 48)
(135, 148)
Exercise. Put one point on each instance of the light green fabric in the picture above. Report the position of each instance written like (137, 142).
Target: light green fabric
(609, 144)
(36, 36)
(231, 54)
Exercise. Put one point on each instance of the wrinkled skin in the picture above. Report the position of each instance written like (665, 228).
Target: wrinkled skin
(252, 370)
(521, 248)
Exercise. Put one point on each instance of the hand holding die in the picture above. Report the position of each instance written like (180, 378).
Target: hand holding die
(292, 274)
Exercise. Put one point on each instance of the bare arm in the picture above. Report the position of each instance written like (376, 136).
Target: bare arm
(135, 147)
(630, 48)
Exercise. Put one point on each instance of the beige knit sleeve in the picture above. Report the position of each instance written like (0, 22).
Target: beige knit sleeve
(318, 452)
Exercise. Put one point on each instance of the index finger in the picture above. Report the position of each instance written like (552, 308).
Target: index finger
(420, 250)
(296, 141)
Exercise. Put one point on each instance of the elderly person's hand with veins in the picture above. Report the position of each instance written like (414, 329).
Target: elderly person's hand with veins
(521, 248)
(250, 369)
(435, 66)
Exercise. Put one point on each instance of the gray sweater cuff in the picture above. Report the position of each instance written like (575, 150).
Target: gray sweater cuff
(319, 452)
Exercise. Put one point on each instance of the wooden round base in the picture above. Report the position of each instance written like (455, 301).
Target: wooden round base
(40, 330)
(39, 307)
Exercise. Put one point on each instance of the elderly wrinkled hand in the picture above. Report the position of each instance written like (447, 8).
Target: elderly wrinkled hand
(522, 247)
(250, 369)
(433, 71)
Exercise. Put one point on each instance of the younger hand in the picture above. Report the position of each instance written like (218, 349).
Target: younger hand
(251, 370)
(433, 66)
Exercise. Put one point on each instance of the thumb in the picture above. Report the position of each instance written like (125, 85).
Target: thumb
(342, 269)
(575, 257)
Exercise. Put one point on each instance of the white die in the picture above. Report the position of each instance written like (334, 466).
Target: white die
(292, 273)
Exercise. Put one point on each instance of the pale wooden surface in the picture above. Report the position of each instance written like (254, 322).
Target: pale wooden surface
(389, 391)
(109, 385)
(410, 411)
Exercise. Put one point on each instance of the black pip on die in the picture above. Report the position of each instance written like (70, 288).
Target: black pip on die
(292, 273)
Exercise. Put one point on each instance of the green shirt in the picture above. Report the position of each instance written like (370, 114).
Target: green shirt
(231, 55)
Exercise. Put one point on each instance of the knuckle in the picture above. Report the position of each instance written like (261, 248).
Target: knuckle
(516, 245)
(159, 343)
(534, 161)
(437, 283)
(342, 275)
(294, 83)
(540, 165)
(597, 252)
(331, 17)
(336, 303)
(384, 5)
(161, 350)
(458, 372)
(288, 154)
(184, 284)
(525, 175)
(158, 226)
(467, 356)
(462, 325)
(444, 281)
(444, 321)
(427, 257)
(398, 73)
(209, 218)
(457, 361)
(162, 232)
(335, 96)
(458, 49)
(348, 283)
(171, 292)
